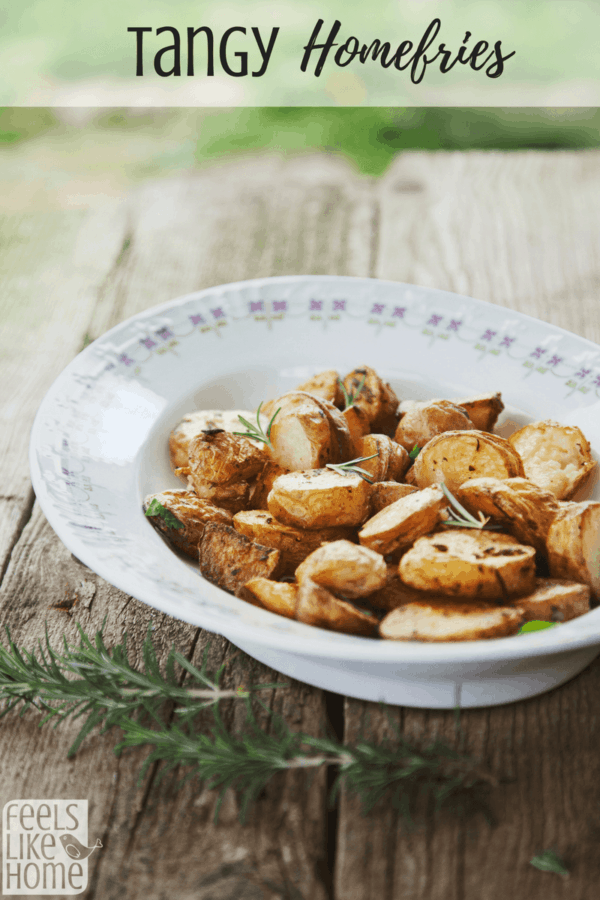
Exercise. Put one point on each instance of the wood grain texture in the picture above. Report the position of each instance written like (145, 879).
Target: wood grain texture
(520, 230)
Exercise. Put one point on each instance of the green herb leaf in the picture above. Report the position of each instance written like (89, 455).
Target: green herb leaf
(414, 452)
(256, 432)
(549, 861)
(350, 396)
(352, 468)
(157, 509)
(535, 625)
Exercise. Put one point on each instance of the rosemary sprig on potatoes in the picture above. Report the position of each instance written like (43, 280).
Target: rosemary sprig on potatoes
(350, 396)
(256, 432)
(352, 468)
(459, 517)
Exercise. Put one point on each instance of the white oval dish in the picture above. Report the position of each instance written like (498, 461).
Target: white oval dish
(99, 445)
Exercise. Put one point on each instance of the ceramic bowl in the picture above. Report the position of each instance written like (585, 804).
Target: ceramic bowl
(99, 445)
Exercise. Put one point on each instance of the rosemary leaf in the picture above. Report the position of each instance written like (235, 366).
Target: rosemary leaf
(350, 396)
(352, 468)
(256, 432)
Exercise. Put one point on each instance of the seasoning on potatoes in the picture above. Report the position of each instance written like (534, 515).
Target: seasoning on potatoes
(191, 514)
(574, 545)
(276, 596)
(294, 543)
(345, 568)
(555, 600)
(556, 457)
(399, 525)
(319, 498)
(217, 457)
(229, 559)
(315, 605)
(470, 563)
(420, 424)
(440, 620)
(456, 456)
(520, 506)
(203, 420)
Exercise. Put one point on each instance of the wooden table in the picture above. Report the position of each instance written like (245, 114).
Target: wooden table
(519, 229)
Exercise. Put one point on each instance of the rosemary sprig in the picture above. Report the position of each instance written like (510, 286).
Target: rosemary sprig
(100, 685)
(255, 432)
(414, 452)
(155, 508)
(352, 468)
(459, 517)
(350, 396)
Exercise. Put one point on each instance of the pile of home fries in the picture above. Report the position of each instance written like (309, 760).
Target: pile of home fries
(339, 506)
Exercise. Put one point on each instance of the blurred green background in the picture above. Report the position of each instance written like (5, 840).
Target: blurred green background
(74, 157)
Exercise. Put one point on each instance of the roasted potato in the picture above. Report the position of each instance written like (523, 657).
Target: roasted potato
(456, 456)
(520, 506)
(315, 605)
(262, 485)
(375, 397)
(204, 420)
(574, 545)
(276, 596)
(440, 620)
(399, 525)
(384, 493)
(319, 498)
(556, 457)
(344, 568)
(229, 559)
(420, 424)
(325, 385)
(218, 457)
(191, 512)
(301, 433)
(555, 600)
(295, 544)
(469, 563)
(482, 409)
(358, 424)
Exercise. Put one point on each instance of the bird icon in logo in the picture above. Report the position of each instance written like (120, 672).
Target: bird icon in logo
(75, 848)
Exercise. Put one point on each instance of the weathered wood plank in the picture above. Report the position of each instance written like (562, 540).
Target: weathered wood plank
(222, 225)
(520, 230)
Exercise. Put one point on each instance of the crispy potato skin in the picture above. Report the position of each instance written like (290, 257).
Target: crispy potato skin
(192, 512)
(194, 423)
(376, 398)
(399, 525)
(482, 409)
(384, 493)
(276, 596)
(457, 456)
(358, 424)
(344, 568)
(556, 457)
(434, 621)
(522, 507)
(325, 385)
(555, 600)
(229, 559)
(420, 424)
(222, 458)
(471, 564)
(295, 544)
(315, 605)
(319, 498)
(574, 545)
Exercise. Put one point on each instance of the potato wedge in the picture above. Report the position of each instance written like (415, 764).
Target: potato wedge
(276, 596)
(574, 545)
(221, 458)
(319, 498)
(384, 493)
(399, 525)
(376, 398)
(340, 432)
(358, 425)
(438, 620)
(522, 507)
(229, 559)
(192, 513)
(301, 433)
(470, 563)
(420, 424)
(295, 544)
(315, 605)
(555, 600)
(456, 456)
(194, 423)
(556, 457)
(381, 445)
(344, 568)
(325, 385)
(482, 409)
